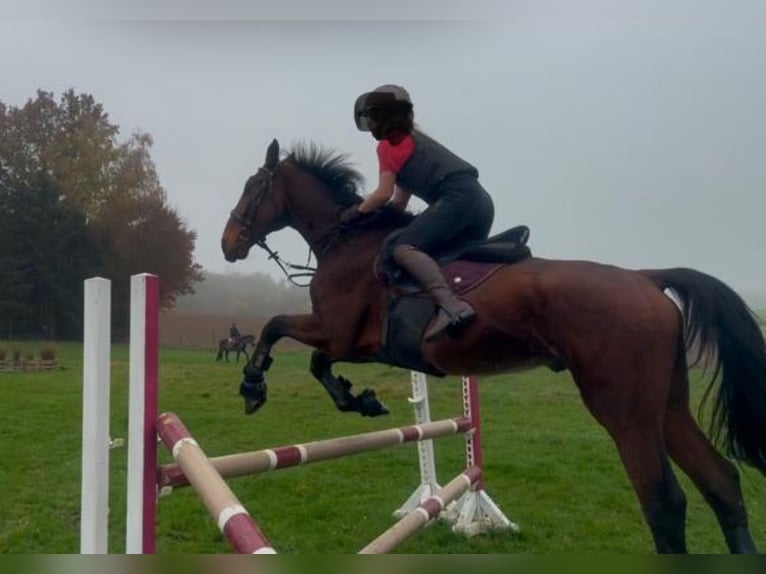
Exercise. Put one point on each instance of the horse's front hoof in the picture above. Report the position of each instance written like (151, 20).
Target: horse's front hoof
(253, 391)
(369, 405)
(252, 405)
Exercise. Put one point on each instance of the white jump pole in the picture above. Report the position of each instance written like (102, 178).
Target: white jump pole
(142, 435)
(94, 501)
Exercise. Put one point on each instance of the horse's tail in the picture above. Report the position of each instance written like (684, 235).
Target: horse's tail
(717, 320)
(219, 356)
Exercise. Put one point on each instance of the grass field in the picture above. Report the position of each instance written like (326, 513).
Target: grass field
(548, 464)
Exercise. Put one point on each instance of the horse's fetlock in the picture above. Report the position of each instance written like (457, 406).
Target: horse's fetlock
(252, 373)
(262, 360)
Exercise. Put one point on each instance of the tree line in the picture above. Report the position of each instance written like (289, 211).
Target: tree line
(77, 201)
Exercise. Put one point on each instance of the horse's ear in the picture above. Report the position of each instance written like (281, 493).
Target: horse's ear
(272, 154)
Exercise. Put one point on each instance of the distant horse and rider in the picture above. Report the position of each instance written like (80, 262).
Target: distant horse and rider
(621, 338)
(235, 342)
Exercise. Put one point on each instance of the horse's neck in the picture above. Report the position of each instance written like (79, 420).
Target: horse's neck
(313, 213)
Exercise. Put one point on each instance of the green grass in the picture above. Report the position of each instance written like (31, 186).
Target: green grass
(548, 464)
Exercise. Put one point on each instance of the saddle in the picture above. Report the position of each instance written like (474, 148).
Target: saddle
(410, 310)
(466, 267)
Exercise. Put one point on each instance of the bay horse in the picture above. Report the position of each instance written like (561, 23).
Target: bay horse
(238, 344)
(623, 340)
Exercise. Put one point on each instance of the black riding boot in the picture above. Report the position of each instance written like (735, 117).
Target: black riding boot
(454, 314)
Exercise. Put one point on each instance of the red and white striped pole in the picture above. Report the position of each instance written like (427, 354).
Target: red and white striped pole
(426, 511)
(142, 436)
(269, 459)
(232, 518)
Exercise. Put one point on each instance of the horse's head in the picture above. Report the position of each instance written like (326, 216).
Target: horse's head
(258, 212)
(307, 190)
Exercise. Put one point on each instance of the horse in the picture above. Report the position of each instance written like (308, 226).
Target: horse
(238, 344)
(625, 342)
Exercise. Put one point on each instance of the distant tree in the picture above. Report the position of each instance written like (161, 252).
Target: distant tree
(65, 155)
(14, 293)
(45, 251)
(142, 233)
(71, 142)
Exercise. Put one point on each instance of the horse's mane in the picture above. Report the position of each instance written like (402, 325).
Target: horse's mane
(336, 171)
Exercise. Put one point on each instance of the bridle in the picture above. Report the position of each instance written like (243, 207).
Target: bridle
(245, 220)
(245, 235)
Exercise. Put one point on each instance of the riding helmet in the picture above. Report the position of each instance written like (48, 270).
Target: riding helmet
(381, 104)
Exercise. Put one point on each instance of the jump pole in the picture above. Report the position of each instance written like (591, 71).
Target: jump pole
(259, 461)
(474, 513)
(426, 511)
(233, 520)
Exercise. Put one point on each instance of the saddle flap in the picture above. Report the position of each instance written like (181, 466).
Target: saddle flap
(463, 275)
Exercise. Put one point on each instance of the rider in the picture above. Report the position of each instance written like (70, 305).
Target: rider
(234, 333)
(459, 210)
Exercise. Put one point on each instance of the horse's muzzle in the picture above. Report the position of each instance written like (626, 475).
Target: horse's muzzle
(233, 252)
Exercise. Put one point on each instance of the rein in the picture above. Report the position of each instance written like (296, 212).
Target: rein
(324, 245)
(305, 270)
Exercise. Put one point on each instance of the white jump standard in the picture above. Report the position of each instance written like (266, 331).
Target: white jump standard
(94, 501)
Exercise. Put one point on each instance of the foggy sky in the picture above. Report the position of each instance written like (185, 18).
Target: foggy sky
(630, 133)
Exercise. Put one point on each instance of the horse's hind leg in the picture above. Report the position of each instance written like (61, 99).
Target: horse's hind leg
(660, 495)
(627, 407)
(366, 403)
(336, 387)
(715, 477)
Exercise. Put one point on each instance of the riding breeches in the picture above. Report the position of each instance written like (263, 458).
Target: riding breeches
(461, 215)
